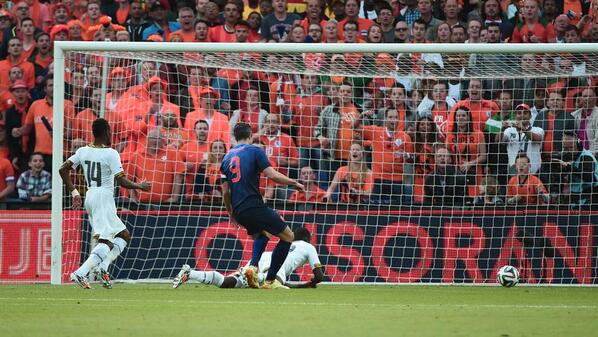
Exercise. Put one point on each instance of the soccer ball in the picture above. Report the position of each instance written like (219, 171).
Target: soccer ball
(508, 276)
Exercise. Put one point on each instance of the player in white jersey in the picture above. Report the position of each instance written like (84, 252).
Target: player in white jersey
(300, 253)
(101, 166)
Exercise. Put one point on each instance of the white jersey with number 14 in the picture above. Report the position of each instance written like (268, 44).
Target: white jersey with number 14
(100, 166)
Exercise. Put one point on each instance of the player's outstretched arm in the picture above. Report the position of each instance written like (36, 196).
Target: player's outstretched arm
(65, 174)
(123, 181)
(281, 179)
(318, 277)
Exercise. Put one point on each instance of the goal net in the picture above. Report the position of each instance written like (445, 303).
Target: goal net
(422, 163)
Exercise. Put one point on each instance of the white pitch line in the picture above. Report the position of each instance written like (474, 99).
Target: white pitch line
(4, 301)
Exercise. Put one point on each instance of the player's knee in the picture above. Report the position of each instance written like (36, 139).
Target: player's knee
(107, 243)
(125, 235)
(229, 282)
(287, 235)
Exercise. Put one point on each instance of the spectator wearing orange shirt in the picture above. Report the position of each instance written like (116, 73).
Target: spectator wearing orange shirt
(226, 31)
(469, 147)
(206, 184)
(201, 30)
(280, 149)
(7, 179)
(554, 120)
(306, 107)
(526, 188)
(27, 37)
(76, 30)
(174, 135)
(251, 112)
(397, 98)
(154, 102)
(480, 109)
(218, 122)
(533, 29)
(15, 117)
(40, 117)
(194, 153)
(122, 13)
(81, 128)
(334, 130)
(392, 151)
(161, 167)
(119, 83)
(15, 58)
(312, 192)
(330, 34)
(426, 136)
(313, 15)
(42, 56)
(91, 17)
(40, 13)
(186, 18)
(352, 13)
(354, 181)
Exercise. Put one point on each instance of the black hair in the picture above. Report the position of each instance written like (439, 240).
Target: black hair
(242, 131)
(36, 154)
(200, 121)
(302, 234)
(99, 127)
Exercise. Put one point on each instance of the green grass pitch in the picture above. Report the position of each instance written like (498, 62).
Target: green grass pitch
(198, 310)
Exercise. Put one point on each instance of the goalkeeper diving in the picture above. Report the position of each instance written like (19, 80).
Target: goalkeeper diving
(300, 253)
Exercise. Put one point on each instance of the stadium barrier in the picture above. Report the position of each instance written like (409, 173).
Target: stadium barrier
(423, 246)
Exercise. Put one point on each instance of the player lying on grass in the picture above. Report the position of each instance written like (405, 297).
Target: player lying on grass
(241, 170)
(301, 252)
(101, 165)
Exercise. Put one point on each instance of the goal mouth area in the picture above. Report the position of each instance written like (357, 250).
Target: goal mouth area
(362, 240)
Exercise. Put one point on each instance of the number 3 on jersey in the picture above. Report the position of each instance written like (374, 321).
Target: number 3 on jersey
(94, 172)
(235, 169)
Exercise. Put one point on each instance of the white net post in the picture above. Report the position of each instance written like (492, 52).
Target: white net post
(360, 241)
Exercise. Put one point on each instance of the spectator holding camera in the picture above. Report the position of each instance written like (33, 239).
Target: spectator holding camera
(521, 136)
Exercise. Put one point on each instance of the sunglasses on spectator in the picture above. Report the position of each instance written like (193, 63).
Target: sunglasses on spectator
(400, 29)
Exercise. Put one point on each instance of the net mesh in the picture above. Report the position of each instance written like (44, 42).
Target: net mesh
(414, 162)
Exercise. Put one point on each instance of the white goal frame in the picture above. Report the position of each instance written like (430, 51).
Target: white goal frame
(60, 47)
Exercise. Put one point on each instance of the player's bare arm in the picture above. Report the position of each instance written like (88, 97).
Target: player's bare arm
(226, 198)
(65, 174)
(317, 278)
(280, 178)
(123, 181)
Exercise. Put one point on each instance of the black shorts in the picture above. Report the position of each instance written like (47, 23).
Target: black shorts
(257, 219)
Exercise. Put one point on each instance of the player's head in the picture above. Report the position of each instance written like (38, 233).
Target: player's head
(302, 234)
(242, 131)
(101, 130)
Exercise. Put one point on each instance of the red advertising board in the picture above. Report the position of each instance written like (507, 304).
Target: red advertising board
(25, 245)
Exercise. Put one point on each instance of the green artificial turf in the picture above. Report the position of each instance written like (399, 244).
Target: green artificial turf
(330, 310)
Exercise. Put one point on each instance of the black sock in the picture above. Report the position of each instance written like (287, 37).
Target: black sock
(259, 244)
(278, 256)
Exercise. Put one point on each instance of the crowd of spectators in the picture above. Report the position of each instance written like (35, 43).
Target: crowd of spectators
(430, 132)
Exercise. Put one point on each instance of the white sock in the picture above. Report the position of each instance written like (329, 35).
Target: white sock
(117, 249)
(98, 254)
(261, 277)
(207, 277)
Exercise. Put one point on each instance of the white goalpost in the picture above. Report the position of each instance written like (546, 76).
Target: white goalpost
(365, 125)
